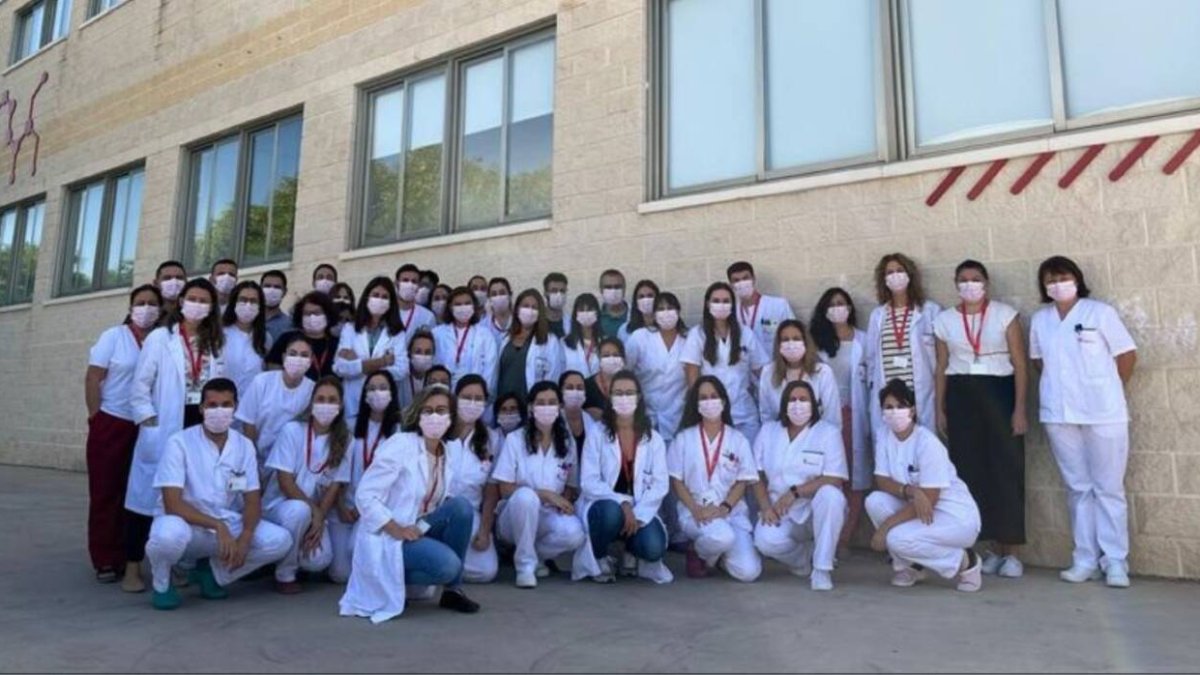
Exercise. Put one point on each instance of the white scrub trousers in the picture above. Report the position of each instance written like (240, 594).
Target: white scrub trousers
(173, 540)
(480, 567)
(1092, 459)
(538, 532)
(806, 535)
(294, 516)
(341, 537)
(721, 539)
(937, 546)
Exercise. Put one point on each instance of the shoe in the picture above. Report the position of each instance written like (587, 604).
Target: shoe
(907, 577)
(1011, 568)
(132, 581)
(209, 588)
(821, 581)
(1079, 574)
(166, 600)
(542, 571)
(288, 587)
(991, 563)
(458, 601)
(629, 564)
(696, 567)
(180, 578)
(803, 570)
(1117, 576)
(970, 580)
(106, 575)
(526, 580)
(606, 575)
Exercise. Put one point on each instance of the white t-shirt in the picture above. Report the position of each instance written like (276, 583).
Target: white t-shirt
(764, 318)
(816, 451)
(737, 378)
(414, 319)
(993, 358)
(824, 386)
(543, 470)
(362, 453)
(660, 371)
(922, 460)
(1080, 383)
(291, 454)
(269, 404)
(473, 473)
(116, 351)
(242, 363)
(686, 461)
(213, 481)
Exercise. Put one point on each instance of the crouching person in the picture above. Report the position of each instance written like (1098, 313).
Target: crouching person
(211, 504)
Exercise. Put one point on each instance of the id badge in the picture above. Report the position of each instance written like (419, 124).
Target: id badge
(978, 368)
(192, 397)
(237, 484)
(900, 362)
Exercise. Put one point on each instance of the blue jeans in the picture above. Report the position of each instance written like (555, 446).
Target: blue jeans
(436, 558)
(605, 520)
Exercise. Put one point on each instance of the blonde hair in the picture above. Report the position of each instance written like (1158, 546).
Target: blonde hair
(808, 363)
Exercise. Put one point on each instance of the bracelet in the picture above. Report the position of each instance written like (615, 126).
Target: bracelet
(795, 492)
(904, 490)
(728, 507)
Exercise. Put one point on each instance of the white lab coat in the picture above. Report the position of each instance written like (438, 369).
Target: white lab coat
(269, 405)
(600, 467)
(921, 339)
(543, 362)
(738, 378)
(823, 382)
(471, 477)
(860, 412)
(479, 354)
(660, 370)
(498, 331)
(414, 319)
(242, 363)
(159, 390)
(390, 490)
(580, 358)
(351, 370)
(763, 319)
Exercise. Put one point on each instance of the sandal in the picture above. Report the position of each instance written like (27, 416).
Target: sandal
(106, 575)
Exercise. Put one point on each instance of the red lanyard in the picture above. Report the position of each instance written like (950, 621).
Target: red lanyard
(753, 317)
(627, 464)
(195, 357)
(976, 341)
(408, 321)
(138, 336)
(587, 351)
(462, 342)
(319, 363)
(368, 458)
(710, 460)
(412, 385)
(308, 453)
(437, 479)
(899, 331)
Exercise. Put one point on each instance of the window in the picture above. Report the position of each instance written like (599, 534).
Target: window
(97, 7)
(20, 237)
(464, 145)
(101, 234)
(38, 24)
(242, 196)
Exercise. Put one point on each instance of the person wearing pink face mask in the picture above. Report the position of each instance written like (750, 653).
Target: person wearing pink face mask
(530, 352)
(500, 317)
(420, 360)
(794, 357)
(462, 345)
(581, 346)
(473, 477)
(981, 384)
(276, 397)
(224, 276)
(246, 342)
(760, 315)
(1086, 356)
(655, 354)
(170, 278)
(413, 314)
(374, 342)
(924, 515)
(111, 430)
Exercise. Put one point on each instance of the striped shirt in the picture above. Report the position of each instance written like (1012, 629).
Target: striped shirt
(890, 350)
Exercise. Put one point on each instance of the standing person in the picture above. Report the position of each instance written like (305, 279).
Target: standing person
(170, 278)
(311, 469)
(439, 304)
(900, 339)
(462, 345)
(245, 335)
(324, 278)
(711, 464)
(623, 476)
(223, 276)
(499, 309)
(509, 412)
(211, 509)
(112, 432)
(612, 361)
(574, 392)
(530, 353)
(413, 314)
(175, 363)
(843, 347)
(274, 287)
(277, 397)
(717, 347)
(313, 318)
(343, 305)
(429, 280)
(538, 476)
(794, 357)
(473, 477)
(981, 384)
(655, 354)
(478, 285)
(420, 361)
(923, 514)
(374, 425)
(374, 342)
(411, 532)
(554, 285)
(580, 346)
(1086, 357)
(616, 310)
(801, 467)
(644, 293)
(759, 315)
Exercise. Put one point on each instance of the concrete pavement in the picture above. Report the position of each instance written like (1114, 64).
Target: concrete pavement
(56, 618)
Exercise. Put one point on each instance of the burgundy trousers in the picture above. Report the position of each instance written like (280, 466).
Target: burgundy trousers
(109, 454)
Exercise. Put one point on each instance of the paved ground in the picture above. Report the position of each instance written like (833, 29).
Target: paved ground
(53, 617)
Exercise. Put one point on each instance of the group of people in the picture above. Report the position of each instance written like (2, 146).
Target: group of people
(395, 442)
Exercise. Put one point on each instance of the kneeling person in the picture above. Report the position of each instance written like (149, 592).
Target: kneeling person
(211, 505)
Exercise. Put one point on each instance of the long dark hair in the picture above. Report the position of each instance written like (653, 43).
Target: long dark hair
(541, 328)
(668, 298)
(391, 318)
(339, 435)
(479, 437)
(641, 421)
(558, 431)
(458, 293)
(735, 328)
(824, 333)
(787, 394)
(588, 303)
(391, 414)
(635, 317)
(258, 327)
(691, 407)
(504, 398)
(209, 338)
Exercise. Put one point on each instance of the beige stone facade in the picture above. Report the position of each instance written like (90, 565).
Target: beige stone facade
(150, 77)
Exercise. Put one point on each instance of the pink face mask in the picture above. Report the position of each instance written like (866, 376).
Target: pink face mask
(792, 350)
(896, 281)
(434, 425)
(624, 406)
(720, 310)
(971, 291)
(711, 408)
(799, 412)
(296, 366)
(195, 311)
(838, 314)
(1062, 291)
(470, 410)
(545, 415)
(898, 419)
(246, 311)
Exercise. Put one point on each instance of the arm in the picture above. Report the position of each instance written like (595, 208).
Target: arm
(346, 361)
(692, 372)
(91, 389)
(685, 497)
(591, 480)
(174, 504)
(1016, 352)
(1125, 365)
(487, 514)
(939, 374)
(251, 432)
(648, 506)
(141, 391)
(766, 510)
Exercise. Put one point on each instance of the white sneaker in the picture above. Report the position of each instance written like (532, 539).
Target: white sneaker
(542, 571)
(821, 581)
(606, 575)
(629, 564)
(907, 577)
(1079, 574)
(802, 571)
(970, 580)
(991, 563)
(1011, 568)
(526, 580)
(1117, 576)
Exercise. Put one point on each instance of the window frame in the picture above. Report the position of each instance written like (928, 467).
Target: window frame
(49, 23)
(96, 7)
(189, 183)
(70, 231)
(22, 208)
(452, 67)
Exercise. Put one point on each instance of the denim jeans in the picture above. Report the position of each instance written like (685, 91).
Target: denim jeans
(436, 558)
(605, 520)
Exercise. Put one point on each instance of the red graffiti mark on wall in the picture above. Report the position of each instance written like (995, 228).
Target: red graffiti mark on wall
(14, 143)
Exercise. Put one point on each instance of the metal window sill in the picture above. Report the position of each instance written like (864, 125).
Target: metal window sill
(449, 239)
(93, 19)
(47, 47)
(90, 295)
(19, 307)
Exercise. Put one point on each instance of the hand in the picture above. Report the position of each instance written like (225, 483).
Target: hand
(389, 359)
(710, 513)
(941, 422)
(879, 540)
(921, 503)
(784, 503)
(402, 533)
(347, 514)
(152, 422)
(347, 354)
(482, 540)
(768, 516)
(564, 507)
(1020, 422)
(240, 550)
(630, 527)
(312, 538)
(225, 543)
